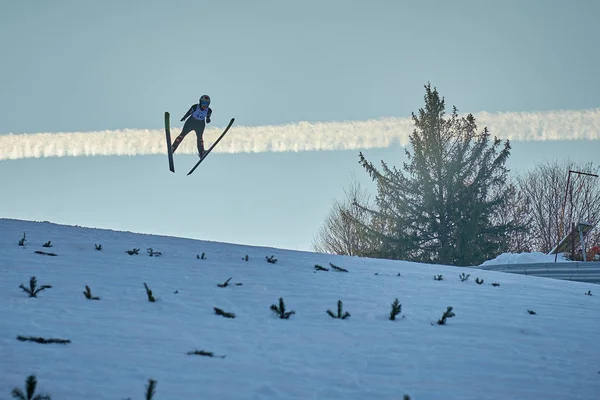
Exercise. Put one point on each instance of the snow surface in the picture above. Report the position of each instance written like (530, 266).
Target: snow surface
(492, 349)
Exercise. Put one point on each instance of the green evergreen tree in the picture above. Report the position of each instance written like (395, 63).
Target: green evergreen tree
(440, 206)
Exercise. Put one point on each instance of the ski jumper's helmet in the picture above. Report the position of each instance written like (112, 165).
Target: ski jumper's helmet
(204, 100)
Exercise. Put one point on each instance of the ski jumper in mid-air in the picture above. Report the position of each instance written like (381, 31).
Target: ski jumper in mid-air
(199, 115)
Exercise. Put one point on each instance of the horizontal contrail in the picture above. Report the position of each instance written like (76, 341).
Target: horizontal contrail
(303, 136)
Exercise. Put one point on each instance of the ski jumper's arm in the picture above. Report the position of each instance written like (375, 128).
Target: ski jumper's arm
(208, 115)
(190, 111)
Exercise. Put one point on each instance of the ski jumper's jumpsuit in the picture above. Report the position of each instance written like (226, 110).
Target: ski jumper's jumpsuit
(198, 118)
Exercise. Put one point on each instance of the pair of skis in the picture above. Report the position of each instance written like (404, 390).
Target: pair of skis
(170, 149)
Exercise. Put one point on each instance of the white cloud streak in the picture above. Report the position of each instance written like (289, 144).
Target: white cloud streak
(303, 136)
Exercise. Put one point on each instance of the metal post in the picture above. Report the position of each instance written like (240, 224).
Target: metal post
(582, 243)
(573, 242)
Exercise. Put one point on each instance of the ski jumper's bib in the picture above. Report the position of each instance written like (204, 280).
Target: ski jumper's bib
(200, 113)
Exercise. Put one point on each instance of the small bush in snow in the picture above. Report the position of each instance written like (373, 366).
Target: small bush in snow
(225, 314)
(42, 340)
(478, 281)
(33, 288)
(153, 253)
(98, 247)
(202, 257)
(224, 284)
(464, 277)
(44, 253)
(47, 244)
(531, 312)
(88, 294)
(447, 314)
(319, 268)
(280, 310)
(271, 259)
(245, 258)
(340, 314)
(23, 240)
(336, 268)
(133, 251)
(396, 310)
(203, 353)
(149, 293)
(495, 284)
(589, 293)
(150, 389)
(30, 386)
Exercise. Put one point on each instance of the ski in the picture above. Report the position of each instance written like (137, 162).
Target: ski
(213, 146)
(168, 134)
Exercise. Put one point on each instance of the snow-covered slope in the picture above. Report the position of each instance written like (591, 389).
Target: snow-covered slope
(493, 348)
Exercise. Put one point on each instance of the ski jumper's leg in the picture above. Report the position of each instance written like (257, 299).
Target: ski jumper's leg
(199, 128)
(187, 128)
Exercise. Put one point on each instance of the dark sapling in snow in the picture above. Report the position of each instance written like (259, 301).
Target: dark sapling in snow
(29, 394)
(280, 310)
(88, 294)
(33, 288)
(149, 293)
(447, 314)
(336, 268)
(150, 389)
(224, 284)
(44, 253)
(225, 314)
(153, 253)
(396, 309)
(203, 353)
(42, 340)
(340, 313)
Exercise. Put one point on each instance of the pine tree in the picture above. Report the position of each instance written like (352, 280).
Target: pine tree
(439, 207)
(30, 386)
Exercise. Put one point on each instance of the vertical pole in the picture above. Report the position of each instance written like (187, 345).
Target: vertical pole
(582, 243)
(573, 242)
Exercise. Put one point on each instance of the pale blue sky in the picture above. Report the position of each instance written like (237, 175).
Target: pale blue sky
(79, 65)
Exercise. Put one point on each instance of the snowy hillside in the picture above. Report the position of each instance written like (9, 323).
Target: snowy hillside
(493, 348)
